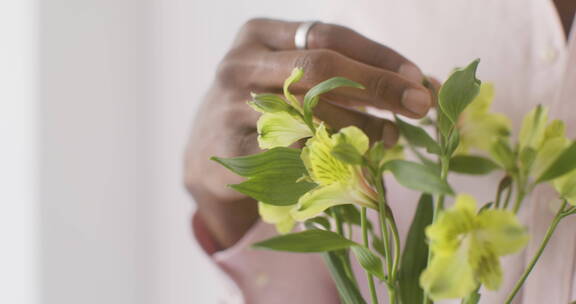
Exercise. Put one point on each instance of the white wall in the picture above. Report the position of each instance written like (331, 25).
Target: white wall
(18, 152)
(120, 82)
(95, 74)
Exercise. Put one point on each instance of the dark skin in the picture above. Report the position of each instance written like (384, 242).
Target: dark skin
(566, 10)
(262, 55)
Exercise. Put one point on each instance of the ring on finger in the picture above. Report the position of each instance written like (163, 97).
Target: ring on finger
(301, 36)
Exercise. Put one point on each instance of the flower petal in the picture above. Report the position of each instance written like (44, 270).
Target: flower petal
(502, 231)
(324, 168)
(448, 277)
(479, 128)
(355, 137)
(280, 129)
(459, 220)
(547, 154)
(566, 186)
(321, 198)
(479, 131)
(277, 215)
(533, 128)
(555, 128)
(485, 264)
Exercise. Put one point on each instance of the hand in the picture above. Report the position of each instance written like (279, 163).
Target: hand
(262, 56)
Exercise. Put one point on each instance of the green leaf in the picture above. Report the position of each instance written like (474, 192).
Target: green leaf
(427, 161)
(275, 160)
(445, 126)
(472, 164)
(279, 188)
(314, 240)
(348, 291)
(459, 91)
(272, 175)
(565, 163)
(417, 136)
(270, 103)
(312, 96)
(418, 177)
(319, 220)
(452, 142)
(415, 254)
(369, 261)
(350, 214)
(378, 245)
(376, 152)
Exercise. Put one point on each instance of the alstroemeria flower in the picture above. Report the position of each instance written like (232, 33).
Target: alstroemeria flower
(278, 215)
(284, 125)
(551, 145)
(566, 187)
(533, 128)
(338, 182)
(478, 126)
(280, 129)
(466, 247)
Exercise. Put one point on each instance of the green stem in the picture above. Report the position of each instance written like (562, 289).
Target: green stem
(364, 225)
(519, 196)
(345, 254)
(445, 162)
(396, 239)
(339, 224)
(508, 196)
(438, 206)
(559, 216)
(383, 210)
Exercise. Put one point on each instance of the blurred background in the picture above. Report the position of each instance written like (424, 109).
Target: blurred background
(97, 97)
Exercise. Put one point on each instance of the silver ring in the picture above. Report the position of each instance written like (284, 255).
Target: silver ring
(301, 37)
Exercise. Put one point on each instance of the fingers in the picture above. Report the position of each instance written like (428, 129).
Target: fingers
(335, 116)
(339, 117)
(392, 82)
(383, 89)
(434, 86)
(279, 35)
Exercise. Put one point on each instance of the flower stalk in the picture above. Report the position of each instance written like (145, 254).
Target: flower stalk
(551, 229)
(383, 217)
(339, 171)
(364, 227)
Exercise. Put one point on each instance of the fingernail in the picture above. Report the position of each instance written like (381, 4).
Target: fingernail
(416, 101)
(411, 72)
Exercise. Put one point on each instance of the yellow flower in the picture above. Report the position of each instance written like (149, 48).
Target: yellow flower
(281, 123)
(338, 182)
(280, 129)
(566, 186)
(466, 247)
(551, 144)
(533, 128)
(277, 215)
(478, 127)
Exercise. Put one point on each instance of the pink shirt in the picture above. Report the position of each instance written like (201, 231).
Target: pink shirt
(524, 53)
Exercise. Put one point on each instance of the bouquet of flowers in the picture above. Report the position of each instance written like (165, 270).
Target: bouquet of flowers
(336, 178)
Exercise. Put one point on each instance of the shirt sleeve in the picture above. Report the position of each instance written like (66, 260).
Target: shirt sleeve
(261, 276)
